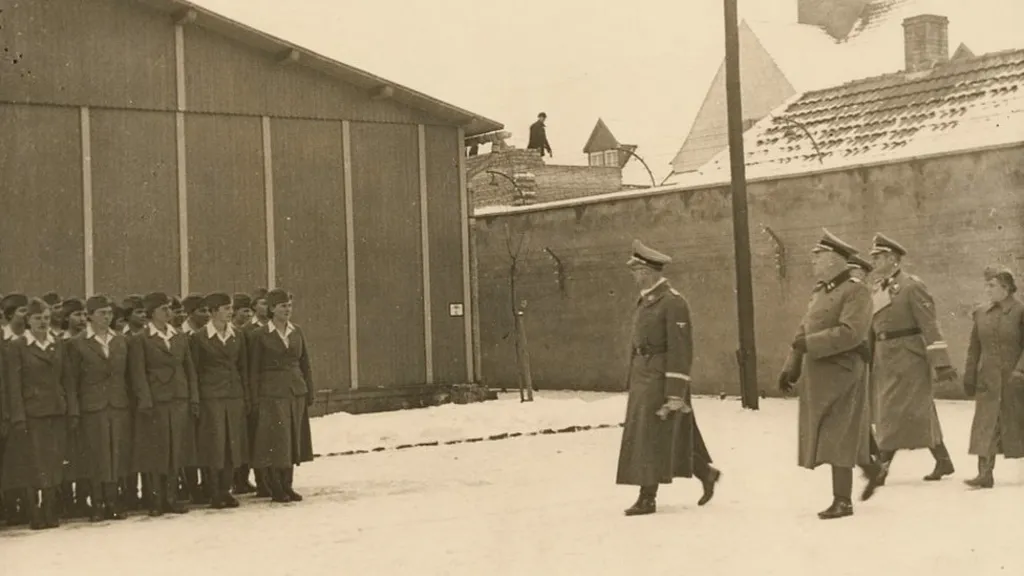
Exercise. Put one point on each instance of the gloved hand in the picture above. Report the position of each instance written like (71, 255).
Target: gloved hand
(673, 404)
(800, 344)
(946, 374)
(970, 388)
(785, 382)
(864, 352)
(309, 401)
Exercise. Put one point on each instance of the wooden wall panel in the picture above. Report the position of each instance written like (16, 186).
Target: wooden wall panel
(389, 285)
(309, 222)
(226, 76)
(227, 229)
(107, 53)
(135, 205)
(444, 218)
(41, 200)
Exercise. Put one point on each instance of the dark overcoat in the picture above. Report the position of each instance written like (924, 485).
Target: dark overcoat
(281, 382)
(222, 439)
(653, 450)
(995, 352)
(98, 379)
(907, 346)
(834, 421)
(164, 380)
(39, 407)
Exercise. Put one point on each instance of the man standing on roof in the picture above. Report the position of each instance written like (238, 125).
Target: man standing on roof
(661, 439)
(907, 347)
(539, 136)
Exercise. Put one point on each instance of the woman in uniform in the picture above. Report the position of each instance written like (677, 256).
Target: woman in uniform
(164, 383)
(219, 353)
(39, 413)
(96, 372)
(994, 376)
(282, 388)
(15, 495)
(75, 490)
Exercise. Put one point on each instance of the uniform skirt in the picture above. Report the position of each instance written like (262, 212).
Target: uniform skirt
(35, 456)
(106, 438)
(279, 432)
(164, 439)
(77, 459)
(222, 438)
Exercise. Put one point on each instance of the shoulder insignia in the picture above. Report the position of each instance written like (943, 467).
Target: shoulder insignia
(682, 325)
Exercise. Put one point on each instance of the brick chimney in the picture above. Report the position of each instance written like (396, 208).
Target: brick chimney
(925, 41)
(837, 17)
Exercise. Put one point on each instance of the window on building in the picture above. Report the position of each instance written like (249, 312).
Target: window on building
(611, 158)
(597, 158)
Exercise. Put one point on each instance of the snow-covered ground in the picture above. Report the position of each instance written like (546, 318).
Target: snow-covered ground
(548, 505)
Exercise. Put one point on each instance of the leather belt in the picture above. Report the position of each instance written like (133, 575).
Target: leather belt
(649, 350)
(893, 334)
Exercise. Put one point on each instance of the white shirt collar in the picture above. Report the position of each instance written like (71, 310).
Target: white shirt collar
(90, 333)
(211, 331)
(9, 334)
(154, 332)
(44, 344)
(288, 329)
(651, 289)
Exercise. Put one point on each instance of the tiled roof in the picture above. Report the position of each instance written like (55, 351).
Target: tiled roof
(966, 104)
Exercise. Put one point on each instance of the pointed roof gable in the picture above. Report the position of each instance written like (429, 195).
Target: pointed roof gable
(601, 139)
(962, 52)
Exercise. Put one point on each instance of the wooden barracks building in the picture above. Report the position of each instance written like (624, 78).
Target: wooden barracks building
(153, 145)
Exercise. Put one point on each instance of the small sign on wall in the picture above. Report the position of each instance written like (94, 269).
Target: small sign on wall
(455, 310)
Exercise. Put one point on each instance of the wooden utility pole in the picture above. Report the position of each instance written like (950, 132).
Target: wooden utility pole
(747, 353)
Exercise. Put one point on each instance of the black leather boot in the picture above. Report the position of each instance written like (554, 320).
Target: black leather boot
(226, 478)
(171, 502)
(708, 483)
(646, 502)
(287, 477)
(156, 494)
(274, 484)
(113, 509)
(943, 464)
(51, 507)
(262, 488)
(842, 488)
(242, 484)
(985, 477)
(216, 498)
(840, 508)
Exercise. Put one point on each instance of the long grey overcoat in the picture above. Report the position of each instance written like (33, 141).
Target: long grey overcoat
(834, 421)
(996, 350)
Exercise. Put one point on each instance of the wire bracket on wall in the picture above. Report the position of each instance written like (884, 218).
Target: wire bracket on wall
(779, 249)
(559, 271)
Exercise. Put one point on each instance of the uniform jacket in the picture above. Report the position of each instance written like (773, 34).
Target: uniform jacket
(539, 138)
(221, 368)
(96, 379)
(159, 373)
(995, 352)
(276, 370)
(902, 366)
(662, 339)
(834, 417)
(35, 384)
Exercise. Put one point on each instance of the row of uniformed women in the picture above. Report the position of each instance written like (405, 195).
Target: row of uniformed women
(154, 401)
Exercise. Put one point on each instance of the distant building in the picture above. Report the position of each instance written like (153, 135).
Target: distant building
(602, 149)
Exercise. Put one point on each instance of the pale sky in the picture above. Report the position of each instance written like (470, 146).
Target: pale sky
(644, 66)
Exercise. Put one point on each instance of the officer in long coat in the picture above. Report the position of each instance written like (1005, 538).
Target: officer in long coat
(907, 347)
(97, 375)
(994, 376)
(661, 439)
(830, 343)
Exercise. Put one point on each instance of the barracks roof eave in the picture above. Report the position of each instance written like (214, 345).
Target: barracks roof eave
(472, 123)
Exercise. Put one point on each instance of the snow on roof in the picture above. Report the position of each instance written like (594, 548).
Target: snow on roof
(963, 105)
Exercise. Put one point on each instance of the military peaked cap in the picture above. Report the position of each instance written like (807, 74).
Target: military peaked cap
(881, 244)
(831, 243)
(856, 261)
(649, 257)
